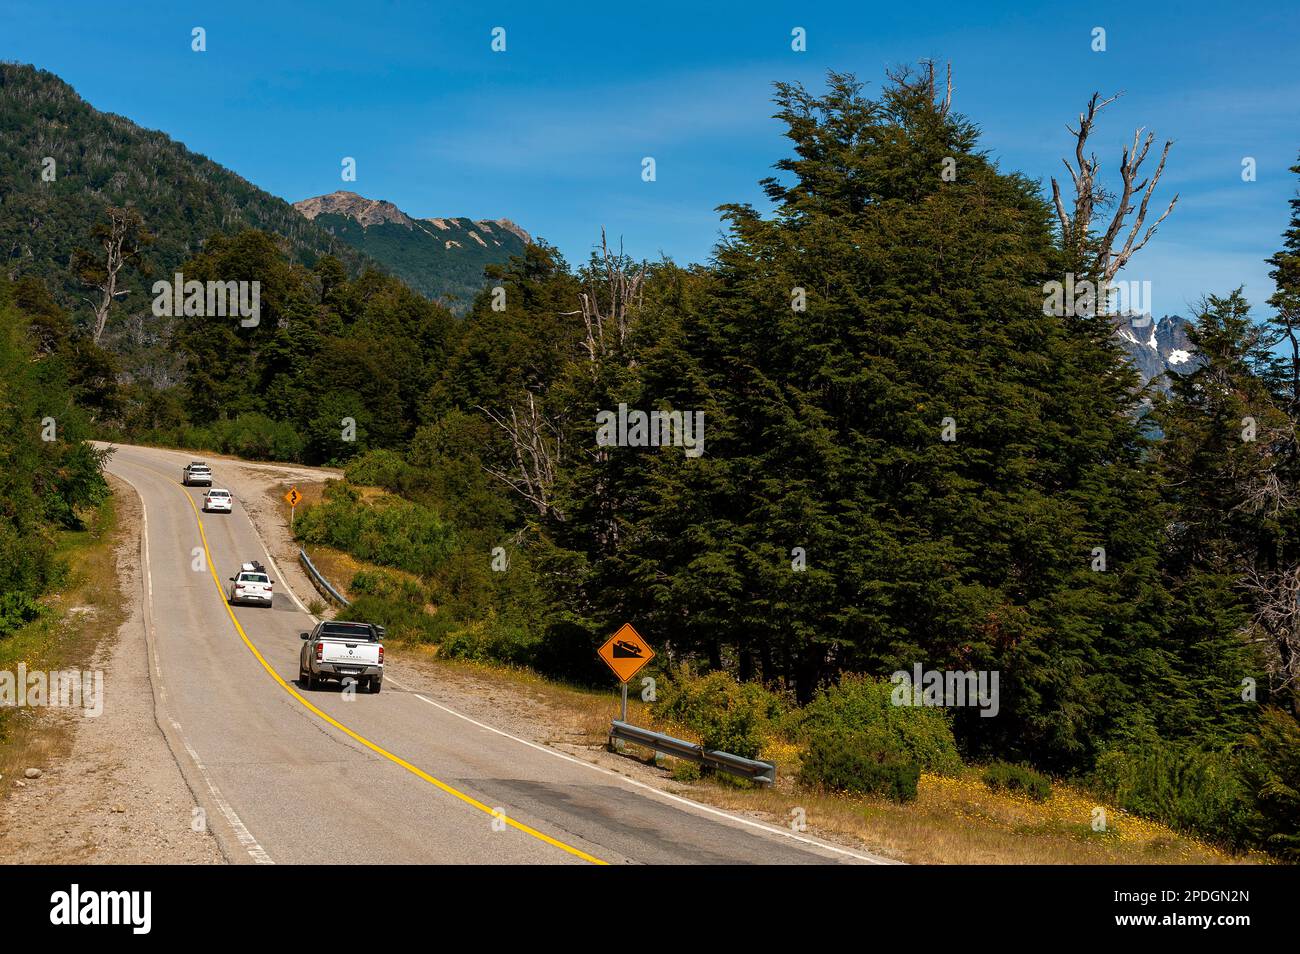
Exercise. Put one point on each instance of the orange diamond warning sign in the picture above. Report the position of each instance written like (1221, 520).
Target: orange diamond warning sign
(626, 652)
(293, 497)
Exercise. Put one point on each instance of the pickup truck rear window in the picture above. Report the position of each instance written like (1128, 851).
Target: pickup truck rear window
(348, 631)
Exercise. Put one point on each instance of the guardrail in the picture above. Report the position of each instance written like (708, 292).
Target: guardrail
(764, 773)
(321, 583)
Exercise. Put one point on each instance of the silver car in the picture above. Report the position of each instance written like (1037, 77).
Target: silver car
(196, 472)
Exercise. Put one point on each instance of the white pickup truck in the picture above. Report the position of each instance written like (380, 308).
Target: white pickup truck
(340, 650)
(252, 585)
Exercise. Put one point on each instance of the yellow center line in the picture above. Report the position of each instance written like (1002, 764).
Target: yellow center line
(380, 750)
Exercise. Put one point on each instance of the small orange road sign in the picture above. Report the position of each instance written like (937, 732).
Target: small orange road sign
(293, 497)
(626, 652)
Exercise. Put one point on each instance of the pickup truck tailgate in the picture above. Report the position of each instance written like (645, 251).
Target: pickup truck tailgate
(347, 653)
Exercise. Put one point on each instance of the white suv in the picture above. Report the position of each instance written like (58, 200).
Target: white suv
(196, 472)
(216, 500)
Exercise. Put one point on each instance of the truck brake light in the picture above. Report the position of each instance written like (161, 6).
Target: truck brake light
(381, 655)
(319, 648)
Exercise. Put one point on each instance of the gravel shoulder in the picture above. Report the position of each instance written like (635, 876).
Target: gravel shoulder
(112, 791)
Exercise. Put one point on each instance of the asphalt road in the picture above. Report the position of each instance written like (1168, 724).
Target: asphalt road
(291, 776)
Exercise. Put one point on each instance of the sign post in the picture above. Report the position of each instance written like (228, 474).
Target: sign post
(293, 497)
(625, 653)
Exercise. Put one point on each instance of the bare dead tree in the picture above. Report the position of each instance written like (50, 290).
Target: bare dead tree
(1090, 196)
(123, 239)
(1264, 485)
(1275, 624)
(536, 449)
(946, 103)
(609, 322)
(609, 300)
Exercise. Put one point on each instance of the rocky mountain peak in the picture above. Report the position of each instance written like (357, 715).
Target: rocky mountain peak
(1156, 347)
(365, 211)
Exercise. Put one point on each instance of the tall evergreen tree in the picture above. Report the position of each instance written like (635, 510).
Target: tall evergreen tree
(945, 455)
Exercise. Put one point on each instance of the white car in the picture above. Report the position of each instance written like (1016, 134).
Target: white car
(251, 585)
(216, 500)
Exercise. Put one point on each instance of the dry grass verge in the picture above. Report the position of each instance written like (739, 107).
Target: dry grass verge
(83, 613)
(953, 820)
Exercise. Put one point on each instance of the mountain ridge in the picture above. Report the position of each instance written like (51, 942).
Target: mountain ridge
(442, 258)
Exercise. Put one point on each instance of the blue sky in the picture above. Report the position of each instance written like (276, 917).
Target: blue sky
(551, 133)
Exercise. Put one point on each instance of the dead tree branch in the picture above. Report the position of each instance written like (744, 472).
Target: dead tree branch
(536, 451)
(608, 327)
(123, 239)
(1089, 196)
(1275, 595)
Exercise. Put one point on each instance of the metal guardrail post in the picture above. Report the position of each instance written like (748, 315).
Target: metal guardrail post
(320, 581)
(764, 773)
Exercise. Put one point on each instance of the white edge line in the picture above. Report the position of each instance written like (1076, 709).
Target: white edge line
(242, 834)
(245, 837)
(650, 788)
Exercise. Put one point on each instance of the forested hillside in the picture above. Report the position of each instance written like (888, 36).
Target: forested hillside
(102, 160)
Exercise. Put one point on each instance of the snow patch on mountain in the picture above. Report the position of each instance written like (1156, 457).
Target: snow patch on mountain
(1156, 348)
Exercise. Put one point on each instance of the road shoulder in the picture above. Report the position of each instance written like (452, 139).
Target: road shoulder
(112, 790)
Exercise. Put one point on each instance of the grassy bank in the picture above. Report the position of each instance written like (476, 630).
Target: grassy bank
(77, 617)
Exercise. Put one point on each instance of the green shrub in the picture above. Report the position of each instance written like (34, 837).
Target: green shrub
(489, 643)
(1005, 777)
(402, 620)
(1270, 762)
(843, 762)
(563, 651)
(387, 530)
(683, 771)
(256, 437)
(17, 609)
(388, 586)
(1189, 789)
(379, 468)
(727, 715)
(862, 707)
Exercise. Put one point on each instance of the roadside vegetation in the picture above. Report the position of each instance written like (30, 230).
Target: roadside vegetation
(49, 476)
(956, 816)
(82, 608)
(57, 518)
